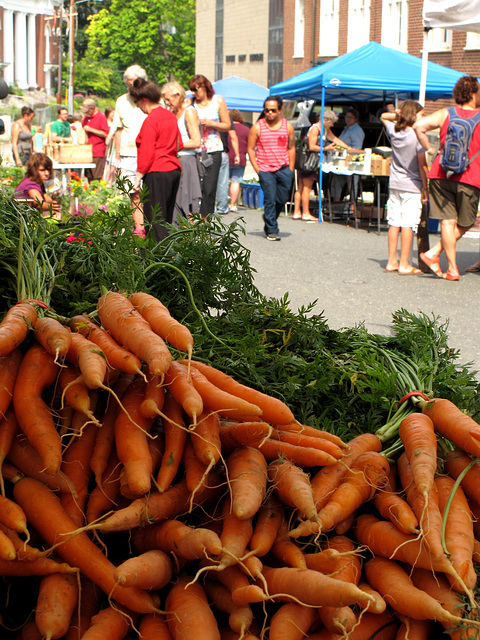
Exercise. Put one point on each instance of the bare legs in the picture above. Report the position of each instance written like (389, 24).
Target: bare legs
(137, 213)
(406, 236)
(451, 232)
(302, 199)
(234, 192)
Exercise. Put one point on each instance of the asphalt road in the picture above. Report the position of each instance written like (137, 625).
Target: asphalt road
(343, 268)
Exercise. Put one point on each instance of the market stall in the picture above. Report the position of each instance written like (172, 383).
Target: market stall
(241, 94)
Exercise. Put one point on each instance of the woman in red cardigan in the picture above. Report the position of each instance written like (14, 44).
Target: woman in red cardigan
(158, 166)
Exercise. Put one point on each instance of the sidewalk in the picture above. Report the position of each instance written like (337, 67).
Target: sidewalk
(343, 268)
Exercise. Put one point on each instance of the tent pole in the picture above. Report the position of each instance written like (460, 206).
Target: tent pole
(320, 173)
(423, 75)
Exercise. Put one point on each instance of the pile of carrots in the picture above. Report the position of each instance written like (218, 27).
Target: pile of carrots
(149, 497)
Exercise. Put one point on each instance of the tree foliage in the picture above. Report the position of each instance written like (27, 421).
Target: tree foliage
(159, 35)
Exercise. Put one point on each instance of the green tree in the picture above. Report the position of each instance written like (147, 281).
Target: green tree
(159, 35)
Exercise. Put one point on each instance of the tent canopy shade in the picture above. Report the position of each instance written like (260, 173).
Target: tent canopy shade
(241, 94)
(370, 73)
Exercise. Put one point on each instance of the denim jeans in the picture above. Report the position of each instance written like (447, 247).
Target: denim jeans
(222, 185)
(276, 187)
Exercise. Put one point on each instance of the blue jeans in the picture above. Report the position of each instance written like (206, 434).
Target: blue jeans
(276, 187)
(222, 185)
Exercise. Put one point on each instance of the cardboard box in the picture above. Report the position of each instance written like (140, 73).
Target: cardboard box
(380, 166)
(71, 153)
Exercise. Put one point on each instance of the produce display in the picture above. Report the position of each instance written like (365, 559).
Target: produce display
(181, 461)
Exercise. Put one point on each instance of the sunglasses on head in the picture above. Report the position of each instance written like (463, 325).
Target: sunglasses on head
(270, 110)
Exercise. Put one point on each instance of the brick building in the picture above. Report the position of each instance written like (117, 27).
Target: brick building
(271, 40)
(29, 43)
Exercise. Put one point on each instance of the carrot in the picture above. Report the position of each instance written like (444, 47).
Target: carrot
(456, 462)
(191, 616)
(339, 620)
(53, 336)
(247, 474)
(9, 365)
(216, 399)
(206, 438)
(117, 357)
(8, 430)
(175, 437)
(252, 566)
(56, 602)
(459, 536)
(286, 551)
(325, 481)
(371, 627)
(368, 473)
(313, 588)
(475, 509)
(235, 536)
(28, 461)
(291, 622)
(37, 372)
(152, 569)
(110, 623)
(240, 434)
(120, 318)
(75, 391)
(157, 506)
(7, 549)
(173, 536)
(240, 617)
(105, 439)
(384, 539)
(38, 567)
(195, 471)
(302, 456)
(90, 360)
(411, 629)
(23, 551)
(379, 605)
(15, 326)
(269, 519)
(76, 465)
(395, 585)
(454, 425)
(313, 432)
(158, 317)
(12, 516)
(427, 512)
(391, 506)
(179, 384)
(30, 631)
(153, 626)
(88, 606)
(292, 486)
(274, 411)
(131, 430)
(154, 397)
(301, 440)
(420, 442)
(105, 494)
(45, 512)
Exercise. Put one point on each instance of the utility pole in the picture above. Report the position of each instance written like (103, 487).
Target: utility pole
(60, 54)
(71, 41)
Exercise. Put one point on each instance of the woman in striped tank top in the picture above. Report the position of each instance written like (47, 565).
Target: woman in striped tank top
(271, 149)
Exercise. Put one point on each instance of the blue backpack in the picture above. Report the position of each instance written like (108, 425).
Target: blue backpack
(455, 151)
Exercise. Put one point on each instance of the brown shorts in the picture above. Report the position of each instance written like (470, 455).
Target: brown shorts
(97, 172)
(452, 200)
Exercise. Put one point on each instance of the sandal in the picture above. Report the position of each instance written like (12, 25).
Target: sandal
(451, 276)
(309, 219)
(295, 217)
(433, 264)
(475, 268)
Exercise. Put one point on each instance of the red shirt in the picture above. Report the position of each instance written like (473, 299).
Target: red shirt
(158, 142)
(272, 146)
(472, 174)
(100, 122)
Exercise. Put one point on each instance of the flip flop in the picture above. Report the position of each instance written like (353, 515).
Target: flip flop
(431, 264)
(475, 268)
(296, 217)
(391, 270)
(311, 219)
(411, 272)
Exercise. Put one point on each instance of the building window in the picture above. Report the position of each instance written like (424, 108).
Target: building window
(473, 40)
(275, 42)
(242, 57)
(358, 23)
(329, 10)
(440, 40)
(299, 33)
(395, 24)
(219, 40)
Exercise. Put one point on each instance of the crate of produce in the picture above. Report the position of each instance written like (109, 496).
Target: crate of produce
(71, 153)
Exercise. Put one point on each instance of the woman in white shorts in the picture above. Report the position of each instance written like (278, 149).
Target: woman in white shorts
(407, 184)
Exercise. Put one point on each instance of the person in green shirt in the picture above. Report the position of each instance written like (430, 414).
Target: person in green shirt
(60, 129)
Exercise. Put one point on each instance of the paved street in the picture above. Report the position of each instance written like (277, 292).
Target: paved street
(343, 268)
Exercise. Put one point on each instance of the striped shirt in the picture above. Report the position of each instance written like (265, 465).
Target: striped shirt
(272, 147)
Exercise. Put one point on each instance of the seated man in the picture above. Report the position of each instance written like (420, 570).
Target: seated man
(353, 135)
(60, 129)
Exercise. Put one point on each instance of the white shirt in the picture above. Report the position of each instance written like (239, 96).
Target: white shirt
(129, 118)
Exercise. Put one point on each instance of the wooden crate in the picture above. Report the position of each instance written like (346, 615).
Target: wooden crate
(71, 153)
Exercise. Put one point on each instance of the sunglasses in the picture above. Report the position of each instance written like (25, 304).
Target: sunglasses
(195, 89)
(270, 110)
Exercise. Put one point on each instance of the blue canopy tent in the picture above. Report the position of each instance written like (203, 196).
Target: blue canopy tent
(369, 73)
(241, 94)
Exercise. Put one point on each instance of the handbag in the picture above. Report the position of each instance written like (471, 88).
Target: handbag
(306, 161)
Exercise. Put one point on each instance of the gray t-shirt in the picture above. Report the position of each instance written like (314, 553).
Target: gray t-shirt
(404, 170)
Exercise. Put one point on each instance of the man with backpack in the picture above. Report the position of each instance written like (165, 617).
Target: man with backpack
(454, 178)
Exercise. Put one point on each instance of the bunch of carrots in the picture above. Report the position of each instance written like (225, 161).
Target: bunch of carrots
(149, 497)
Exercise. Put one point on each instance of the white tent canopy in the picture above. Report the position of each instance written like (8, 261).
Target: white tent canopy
(461, 15)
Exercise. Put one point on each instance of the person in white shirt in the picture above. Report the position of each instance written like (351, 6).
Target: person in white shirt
(127, 123)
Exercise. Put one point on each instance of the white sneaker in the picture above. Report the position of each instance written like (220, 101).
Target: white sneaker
(233, 209)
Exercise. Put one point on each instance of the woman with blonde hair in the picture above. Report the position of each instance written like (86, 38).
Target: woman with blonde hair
(189, 191)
